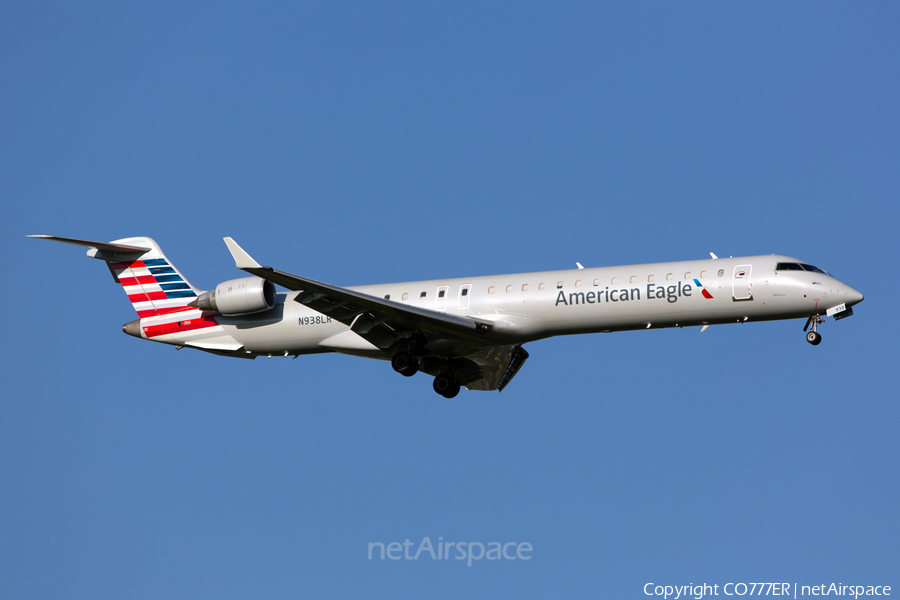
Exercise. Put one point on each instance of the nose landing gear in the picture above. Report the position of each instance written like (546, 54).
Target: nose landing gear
(813, 337)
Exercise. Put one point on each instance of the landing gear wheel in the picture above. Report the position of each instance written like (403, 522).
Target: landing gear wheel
(446, 386)
(814, 338)
(405, 364)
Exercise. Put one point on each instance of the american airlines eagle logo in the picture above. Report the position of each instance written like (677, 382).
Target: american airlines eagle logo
(703, 290)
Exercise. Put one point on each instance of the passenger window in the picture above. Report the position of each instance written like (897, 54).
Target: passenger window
(597, 282)
(578, 283)
(634, 279)
(721, 272)
(405, 295)
(614, 281)
(491, 290)
(702, 274)
(524, 287)
(465, 291)
(559, 285)
(542, 286)
(669, 277)
(687, 275)
(440, 294)
(387, 296)
(650, 278)
(422, 295)
(509, 288)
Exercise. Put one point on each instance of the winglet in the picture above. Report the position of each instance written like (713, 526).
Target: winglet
(242, 260)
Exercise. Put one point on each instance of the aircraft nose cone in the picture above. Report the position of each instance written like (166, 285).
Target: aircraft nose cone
(853, 297)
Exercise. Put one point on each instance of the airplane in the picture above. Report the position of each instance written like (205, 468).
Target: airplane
(465, 331)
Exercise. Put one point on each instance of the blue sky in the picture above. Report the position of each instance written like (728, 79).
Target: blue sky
(363, 143)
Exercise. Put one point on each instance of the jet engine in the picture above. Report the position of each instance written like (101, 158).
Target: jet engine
(242, 296)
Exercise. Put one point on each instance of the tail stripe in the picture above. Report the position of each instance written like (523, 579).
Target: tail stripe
(153, 286)
(130, 281)
(163, 311)
(152, 331)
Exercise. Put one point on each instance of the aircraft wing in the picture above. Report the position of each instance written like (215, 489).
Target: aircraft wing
(383, 323)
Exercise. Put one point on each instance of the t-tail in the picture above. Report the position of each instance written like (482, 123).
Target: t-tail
(153, 285)
(166, 303)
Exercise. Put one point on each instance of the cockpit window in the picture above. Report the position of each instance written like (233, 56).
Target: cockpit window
(813, 269)
(788, 267)
(800, 267)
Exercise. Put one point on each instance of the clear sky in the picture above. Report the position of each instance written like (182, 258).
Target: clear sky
(377, 142)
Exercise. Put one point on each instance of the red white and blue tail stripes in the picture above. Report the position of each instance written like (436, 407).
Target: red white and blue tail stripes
(153, 286)
(160, 295)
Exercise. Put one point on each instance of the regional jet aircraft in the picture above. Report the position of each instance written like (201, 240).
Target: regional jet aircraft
(463, 332)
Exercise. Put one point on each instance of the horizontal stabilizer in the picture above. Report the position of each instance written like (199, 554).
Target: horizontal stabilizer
(104, 246)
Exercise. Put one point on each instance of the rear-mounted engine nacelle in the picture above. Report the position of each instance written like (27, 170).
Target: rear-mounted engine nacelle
(242, 296)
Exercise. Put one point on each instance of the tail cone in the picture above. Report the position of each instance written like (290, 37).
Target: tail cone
(133, 328)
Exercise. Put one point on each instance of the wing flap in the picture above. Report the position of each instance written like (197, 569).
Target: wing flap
(496, 367)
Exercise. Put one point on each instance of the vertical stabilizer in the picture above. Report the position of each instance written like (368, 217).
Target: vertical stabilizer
(152, 283)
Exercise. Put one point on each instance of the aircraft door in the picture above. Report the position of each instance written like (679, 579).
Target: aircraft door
(740, 283)
(440, 298)
(465, 290)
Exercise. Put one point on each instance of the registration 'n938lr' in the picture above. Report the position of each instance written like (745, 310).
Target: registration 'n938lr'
(317, 320)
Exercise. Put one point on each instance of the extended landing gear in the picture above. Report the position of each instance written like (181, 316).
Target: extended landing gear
(813, 337)
(405, 364)
(446, 385)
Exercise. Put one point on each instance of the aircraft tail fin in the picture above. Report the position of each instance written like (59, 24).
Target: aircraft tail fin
(152, 283)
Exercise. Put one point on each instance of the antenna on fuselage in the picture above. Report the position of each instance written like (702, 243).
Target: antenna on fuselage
(579, 265)
(713, 255)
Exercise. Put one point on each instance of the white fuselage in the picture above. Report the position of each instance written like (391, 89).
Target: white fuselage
(529, 306)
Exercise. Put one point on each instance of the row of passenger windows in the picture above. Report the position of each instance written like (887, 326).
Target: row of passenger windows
(441, 293)
(559, 284)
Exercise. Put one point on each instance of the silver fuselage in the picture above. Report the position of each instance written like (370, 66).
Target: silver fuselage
(529, 306)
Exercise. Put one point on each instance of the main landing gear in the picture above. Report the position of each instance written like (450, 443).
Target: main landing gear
(446, 385)
(407, 365)
(813, 337)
